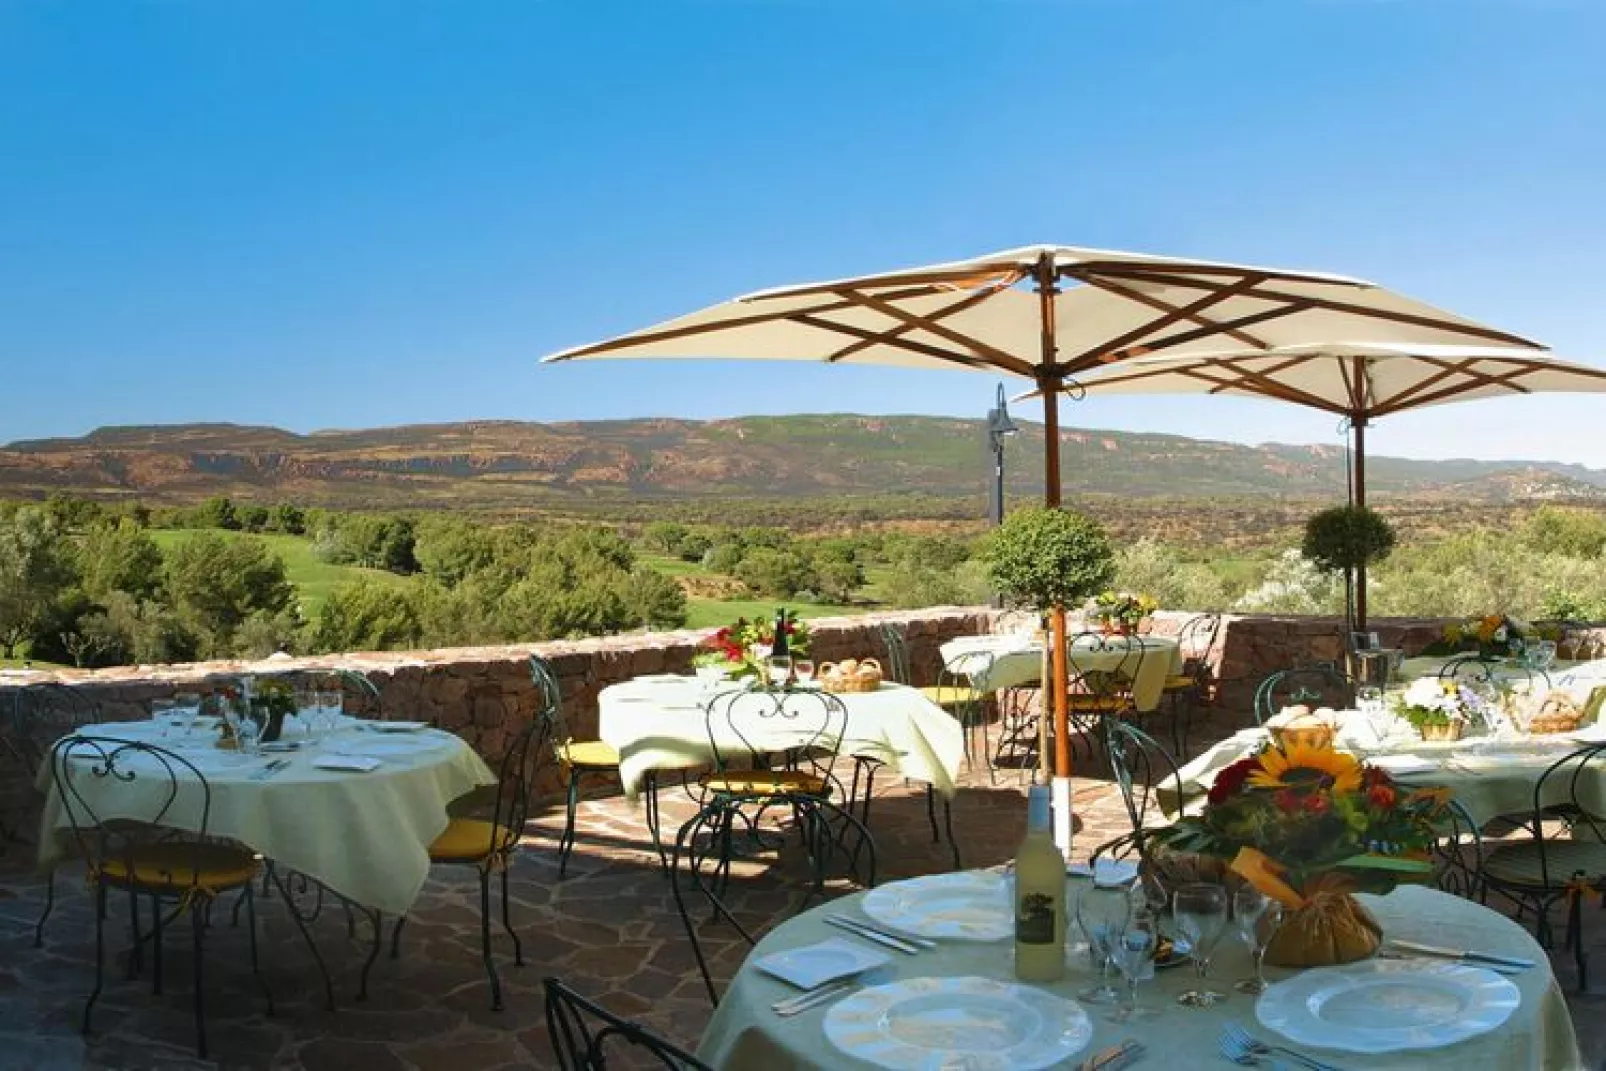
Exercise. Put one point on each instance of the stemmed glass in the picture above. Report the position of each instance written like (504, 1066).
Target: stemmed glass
(1133, 952)
(1544, 654)
(1102, 915)
(780, 669)
(1200, 911)
(1369, 701)
(329, 705)
(804, 668)
(249, 733)
(1257, 917)
(170, 716)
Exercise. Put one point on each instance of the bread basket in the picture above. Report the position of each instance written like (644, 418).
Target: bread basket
(851, 675)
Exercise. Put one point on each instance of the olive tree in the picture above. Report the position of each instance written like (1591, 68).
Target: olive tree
(1047, 556)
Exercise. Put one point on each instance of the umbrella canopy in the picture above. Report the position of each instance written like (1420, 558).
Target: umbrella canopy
(1046, 313)
(1357, 381)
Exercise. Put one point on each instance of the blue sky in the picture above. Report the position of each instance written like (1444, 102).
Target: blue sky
(342, 214)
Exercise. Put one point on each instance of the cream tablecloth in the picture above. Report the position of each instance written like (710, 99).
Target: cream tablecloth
(745, 1034)
(366, 835)
(1489, 779)
(1018, 660)
(658, 723)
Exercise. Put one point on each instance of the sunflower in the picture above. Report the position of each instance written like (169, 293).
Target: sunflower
(1303, 766)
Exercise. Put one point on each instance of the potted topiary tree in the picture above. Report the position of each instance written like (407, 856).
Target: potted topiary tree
(1347, 539)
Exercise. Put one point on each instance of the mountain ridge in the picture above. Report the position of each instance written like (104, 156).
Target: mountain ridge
(511, 464)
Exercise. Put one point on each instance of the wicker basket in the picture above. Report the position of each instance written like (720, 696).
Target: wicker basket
(854, 675)
(1443, 733)
(1557, 714)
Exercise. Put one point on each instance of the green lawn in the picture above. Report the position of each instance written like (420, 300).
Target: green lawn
(314, 579)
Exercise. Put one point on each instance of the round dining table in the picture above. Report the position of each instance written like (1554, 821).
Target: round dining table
(746, 1033)
(363, 831)
(1014, 661)
(659, 723)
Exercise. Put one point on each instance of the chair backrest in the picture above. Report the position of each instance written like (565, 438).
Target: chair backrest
(746, 726)
(1468, 669)
(1142, 767)
(1104, 665)
(118, 795)
(1312, 685)
(1457, 853)
(1196, 639)
(897, 645)
(549, 701)
(1557, 792)
(583, 1033)
(515, 784)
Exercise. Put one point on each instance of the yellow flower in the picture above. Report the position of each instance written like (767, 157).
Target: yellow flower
(1303, 765)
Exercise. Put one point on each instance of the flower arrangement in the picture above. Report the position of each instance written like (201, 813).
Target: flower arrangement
(733, 645)
(1438, 708)
(1308, 826)
(1490, 634)
(1123, 610)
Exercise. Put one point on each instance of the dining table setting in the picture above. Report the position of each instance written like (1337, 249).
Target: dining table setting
(350, 802)
(1014, 660)
(920, 974)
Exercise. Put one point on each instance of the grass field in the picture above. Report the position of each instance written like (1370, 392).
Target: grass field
(711, 613)
(313, 579)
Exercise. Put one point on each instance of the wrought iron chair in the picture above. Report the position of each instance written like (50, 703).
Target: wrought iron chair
(962, 690)
(126, 835)
(489, 844)
(1097, 691)
(1471, 669)
(897, 648)
(1457, 855)
(584, 1032)
(1540, 870)
(1189, 690)
(35, 717)
(584, 758)
(1320, 685)
(748, 726)
(1142, 768)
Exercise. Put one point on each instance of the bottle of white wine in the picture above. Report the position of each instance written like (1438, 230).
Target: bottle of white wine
(1039, 896)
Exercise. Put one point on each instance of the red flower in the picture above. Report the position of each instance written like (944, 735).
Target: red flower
(1317, 803)
(1287, 800)
(1231, 779)
(1380, 796)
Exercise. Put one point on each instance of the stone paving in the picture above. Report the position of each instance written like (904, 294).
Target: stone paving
(609, 929)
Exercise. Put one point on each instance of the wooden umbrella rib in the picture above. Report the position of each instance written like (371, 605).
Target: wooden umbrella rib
(881, 337)
(1266, 383)
(1505, 381)
(931, 325)
(1395, 316)
(1086, 270)
(969, 301)
(1193, 311)
(1222, 327)
(1153, 302)
(999, 276)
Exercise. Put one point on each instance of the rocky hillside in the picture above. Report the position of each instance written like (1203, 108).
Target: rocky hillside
(507, 464)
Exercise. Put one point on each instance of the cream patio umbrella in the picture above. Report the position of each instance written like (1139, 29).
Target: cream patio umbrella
(1045, 313)
(1358, 382)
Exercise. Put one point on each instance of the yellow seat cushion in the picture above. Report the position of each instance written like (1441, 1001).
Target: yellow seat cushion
(950, 695)
(467, 839)
(1094, 704)
(1518, 864)
(766, 783)
(180, 865)
(1180, 682)
(593, 754)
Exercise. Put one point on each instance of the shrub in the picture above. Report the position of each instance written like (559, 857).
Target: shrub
(1044, 557)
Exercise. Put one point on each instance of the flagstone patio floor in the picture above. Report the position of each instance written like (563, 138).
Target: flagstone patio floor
(609, 929)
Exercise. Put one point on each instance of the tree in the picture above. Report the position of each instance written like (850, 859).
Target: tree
(127, 630)
(1046, 556)
(216, 512)
(451, 550)
(655, 600)
(1346, 539)
(252, 518)
(665, 537)
(367, 615)
(1574, 532)
(36, 568)
(775, 572)
(120, 557)
(287, 518)
(397, 551)
(216, 584)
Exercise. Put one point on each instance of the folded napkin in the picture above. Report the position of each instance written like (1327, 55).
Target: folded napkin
(359, 763)
(1106, 873)
(1402, 764)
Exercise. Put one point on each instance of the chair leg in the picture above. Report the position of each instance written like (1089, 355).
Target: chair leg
(136, 950)
(931, 813)
(507, 923)
(100, 954)
(312, 946)
(377, 919)
(948, 823)
(256, 962)
(485, 940)
(156, 945)
(395, 937)
(566, 843)
(50, 904)
(654, 819)
(197, 924)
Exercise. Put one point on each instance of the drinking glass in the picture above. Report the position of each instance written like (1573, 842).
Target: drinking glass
(169, 715)
(780, 669)
(330, 705)
(1257, 917)
(804, 668)
(1102, 916)
(249, 734)
(1544, 654)
(1200, 911)
(1133, 952)
(1369, 701)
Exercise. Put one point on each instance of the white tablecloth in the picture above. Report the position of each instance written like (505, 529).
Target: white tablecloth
(1018, 660)
(658, 723)
(745, 1034)
(366, 835)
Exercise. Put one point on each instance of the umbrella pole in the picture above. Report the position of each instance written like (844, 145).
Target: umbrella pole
(1049, 381)
(1358, 495)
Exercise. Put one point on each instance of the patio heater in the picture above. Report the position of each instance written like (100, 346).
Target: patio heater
(999, 428)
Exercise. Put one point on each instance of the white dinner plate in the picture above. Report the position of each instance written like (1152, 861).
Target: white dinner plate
(824, 961)
(1388, 1005)
(395, 726)
(973, 1023)
(965, 906)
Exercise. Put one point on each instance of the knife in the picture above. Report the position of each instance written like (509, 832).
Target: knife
(1463, 955)
(884, 939)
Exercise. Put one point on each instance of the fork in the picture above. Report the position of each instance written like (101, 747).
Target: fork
(1239, 1046)
(270, 769)
(813, 998)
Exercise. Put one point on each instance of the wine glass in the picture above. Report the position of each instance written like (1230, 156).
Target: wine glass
(1544, 655)
(1257, 917)
(780, 669)
(1102, 915)
(804, 668)
(1200, 911)
(330, 705)
(249, 733)
(169, 716)
(1133, 952)
(1369, 701)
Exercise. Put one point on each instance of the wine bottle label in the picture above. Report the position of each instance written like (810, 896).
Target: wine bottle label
(1034, 919)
